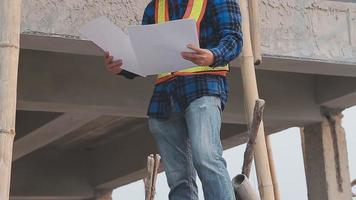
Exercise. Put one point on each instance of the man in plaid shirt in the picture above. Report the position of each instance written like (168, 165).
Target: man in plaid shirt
(185, 110)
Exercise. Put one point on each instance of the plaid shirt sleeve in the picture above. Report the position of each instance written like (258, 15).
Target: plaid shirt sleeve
(149, 14)
(227, 19)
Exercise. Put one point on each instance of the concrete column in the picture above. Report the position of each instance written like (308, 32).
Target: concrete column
(103, 195)
(325, 158)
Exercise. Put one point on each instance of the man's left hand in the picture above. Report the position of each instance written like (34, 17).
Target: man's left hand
(200, 57)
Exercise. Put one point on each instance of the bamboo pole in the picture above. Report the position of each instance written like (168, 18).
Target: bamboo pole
(242, 186)
(255, 31)
(256, 47)
(148, 180)
(250, 96)
(250, 146)
(153, 162)
(10, 18)
(277, 194)
(157, 160)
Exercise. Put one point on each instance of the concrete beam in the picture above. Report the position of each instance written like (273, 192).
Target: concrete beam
(51, 174)
(83, 75)
(308, 65)
(270, 62)
(231, 135)
(53, 43)
(74, 173)
(335, 92)
(46, 198)
(325, 159)
(41, 87)
(95, 130)
(67, 107)
(50, 132)
(127, 163)
(28, 121)
(103, 195)
(124, 159)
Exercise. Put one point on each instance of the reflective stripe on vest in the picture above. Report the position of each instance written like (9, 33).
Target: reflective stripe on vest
(195, 10)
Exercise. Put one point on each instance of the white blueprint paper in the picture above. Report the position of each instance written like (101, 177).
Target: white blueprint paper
(158, 47)
(111, 38)
(147, 49)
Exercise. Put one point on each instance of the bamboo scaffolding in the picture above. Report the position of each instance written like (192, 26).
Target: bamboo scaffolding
(10, 18)
(242, 186)
(153, 162)
(251, 95)
(255, 30)
(277, 194)
(149, 178)
(250, 150)
(257, 55)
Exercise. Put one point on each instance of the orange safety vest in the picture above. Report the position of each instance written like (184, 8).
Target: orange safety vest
(195, 10)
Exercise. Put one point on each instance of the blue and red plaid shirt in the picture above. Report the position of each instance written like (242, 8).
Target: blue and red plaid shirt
(220, 32)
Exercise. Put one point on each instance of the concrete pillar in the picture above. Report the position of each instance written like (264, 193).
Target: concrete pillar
(325, 158)
(103, 195)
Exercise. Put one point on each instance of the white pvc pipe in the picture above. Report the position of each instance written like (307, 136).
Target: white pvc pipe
(243, 188)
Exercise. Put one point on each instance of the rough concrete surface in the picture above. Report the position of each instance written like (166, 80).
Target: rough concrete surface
(309, 28)
(315, 29)
(325, 156)
(64, 17)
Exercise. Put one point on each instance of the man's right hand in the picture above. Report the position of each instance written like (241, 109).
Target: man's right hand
(113, 66)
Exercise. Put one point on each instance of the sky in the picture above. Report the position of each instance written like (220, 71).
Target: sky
(287, 152)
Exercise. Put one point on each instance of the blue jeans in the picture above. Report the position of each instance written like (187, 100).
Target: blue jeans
(189, 144)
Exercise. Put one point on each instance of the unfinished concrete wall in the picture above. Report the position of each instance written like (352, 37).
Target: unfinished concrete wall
(66, 16)
(316, 29)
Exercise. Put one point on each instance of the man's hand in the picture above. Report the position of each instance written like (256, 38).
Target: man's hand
(113, 66)
(200, 57)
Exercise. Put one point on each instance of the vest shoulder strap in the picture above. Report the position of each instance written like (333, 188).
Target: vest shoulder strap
(195, 10)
